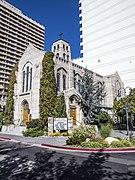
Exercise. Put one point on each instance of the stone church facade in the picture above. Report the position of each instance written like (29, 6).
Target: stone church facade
(67, 73)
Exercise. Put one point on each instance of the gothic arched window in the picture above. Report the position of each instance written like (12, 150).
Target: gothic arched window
(64, 56)
(23, 82)
(30, 78)
(67, 57)
(67, 48)
(74, 82)
(79, 85)
(58, 82)
(57, 55)
(64, 82)
(27, 78)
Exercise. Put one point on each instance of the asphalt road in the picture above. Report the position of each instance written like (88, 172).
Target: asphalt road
(20, 161)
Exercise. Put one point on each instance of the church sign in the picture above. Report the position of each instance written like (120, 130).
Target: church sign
(60, 124)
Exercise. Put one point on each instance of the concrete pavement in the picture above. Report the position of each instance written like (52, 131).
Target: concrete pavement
(59, 142)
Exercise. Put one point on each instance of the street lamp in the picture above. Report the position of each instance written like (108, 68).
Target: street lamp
(127, 107)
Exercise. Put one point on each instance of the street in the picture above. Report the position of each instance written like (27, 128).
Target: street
(23, 161)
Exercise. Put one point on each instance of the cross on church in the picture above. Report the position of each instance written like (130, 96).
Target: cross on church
(61, 35)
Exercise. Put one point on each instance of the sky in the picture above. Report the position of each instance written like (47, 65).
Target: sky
(57, 16)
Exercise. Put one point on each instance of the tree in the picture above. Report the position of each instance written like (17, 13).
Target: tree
(103, 118)
(9, 109)
(60, 109)
(119, 106)
(92, 93)
(48, 94)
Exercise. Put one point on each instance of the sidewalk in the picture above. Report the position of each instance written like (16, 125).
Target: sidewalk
(121, 133)
(57, 141)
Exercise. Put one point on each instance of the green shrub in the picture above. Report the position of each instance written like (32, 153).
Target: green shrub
(55, 134)
(95, 144)
(132, 138)
(117, 144)
(126, 143)
(103, 118)
(105, 131)
(60, 134)
(105, 144)
(32, 124)
(65, 134)
(122, 143)
(33, 132)
(81, 133)
(8, 122)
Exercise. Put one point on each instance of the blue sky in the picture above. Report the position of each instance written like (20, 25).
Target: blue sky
(57, 16)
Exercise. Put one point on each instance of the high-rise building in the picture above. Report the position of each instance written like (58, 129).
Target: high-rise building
(108, 37)
(16, 32)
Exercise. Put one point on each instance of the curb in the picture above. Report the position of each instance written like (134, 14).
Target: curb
(92, 150)
(4, 139)
(77, 149)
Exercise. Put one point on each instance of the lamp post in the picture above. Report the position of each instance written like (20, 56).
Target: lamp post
(127, 108)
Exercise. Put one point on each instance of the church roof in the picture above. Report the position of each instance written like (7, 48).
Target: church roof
(61, 40)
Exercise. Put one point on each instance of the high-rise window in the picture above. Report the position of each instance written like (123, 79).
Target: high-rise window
(64, 82)
(23, 83)
(27, 78)
(30, 78)
(58, 82)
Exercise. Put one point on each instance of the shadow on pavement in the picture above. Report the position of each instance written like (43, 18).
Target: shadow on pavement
(44, 167)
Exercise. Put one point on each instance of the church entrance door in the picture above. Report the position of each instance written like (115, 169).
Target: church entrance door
(25, 112)
(73, 114)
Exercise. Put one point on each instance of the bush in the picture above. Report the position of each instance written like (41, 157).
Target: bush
(55, 134)
(132, 138)
(65, 134)
(60, 134)
(105, 131)
(34, 123)
(117, 144)
(126, 143)
(105, 144)
(8, 122)
(95, 144)
(33, 132)
(81, 133)
(103, 118)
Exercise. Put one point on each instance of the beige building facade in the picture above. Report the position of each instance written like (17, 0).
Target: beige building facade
(67, 73)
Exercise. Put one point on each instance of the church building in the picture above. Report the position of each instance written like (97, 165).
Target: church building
(67, 73)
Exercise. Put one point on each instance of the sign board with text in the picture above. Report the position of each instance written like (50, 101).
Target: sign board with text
(60, 124)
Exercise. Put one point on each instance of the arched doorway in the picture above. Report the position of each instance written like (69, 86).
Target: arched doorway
(25, 112)
(73, 108)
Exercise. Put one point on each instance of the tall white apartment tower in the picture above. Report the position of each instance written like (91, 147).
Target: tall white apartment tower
(16, 32)
(108, 37)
